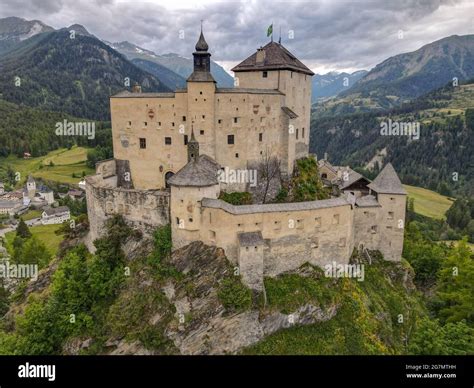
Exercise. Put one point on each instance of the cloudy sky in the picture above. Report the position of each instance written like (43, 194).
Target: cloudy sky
(328, 35)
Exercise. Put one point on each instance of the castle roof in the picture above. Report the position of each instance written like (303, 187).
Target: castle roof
(127, 93)
(248, 239)
(387, 182)
(352, 177)
(197, 173)
(276, 57)
(273, 207)
(201, 76)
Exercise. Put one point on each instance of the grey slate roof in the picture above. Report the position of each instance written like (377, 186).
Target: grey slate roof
(273, 207)
(200, 173)
(277, 57)
(201, 44)
(201, 76)
(56, 210)
(128, 94)
(248, 239)
(289, 112)
(353, 177)
(367, 201)
(387, 182)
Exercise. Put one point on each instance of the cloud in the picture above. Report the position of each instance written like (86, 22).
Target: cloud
(328, 35)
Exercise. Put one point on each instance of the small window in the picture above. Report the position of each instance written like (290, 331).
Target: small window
(318, 222)
(190, 219)
(230, 139)
(265, 74)
(177, 220)
(159, 123)
(392, 199)
(260, 137)
(184, 118)
(200, 92)
(142, 143)
(390, 215)
(129, 123)
(203, 117)
(145, 123)
(237, 155)
(168, 140)
(219, 121)
(373, 229)
(236, 119)
(201, 132)
(296, 133)
(302, 133)
(335, 219)
(185, 139)
(172, 124)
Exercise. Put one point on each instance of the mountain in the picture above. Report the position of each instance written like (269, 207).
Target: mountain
(169, 78)
(14, 30)
(444, 144)
(331, 84)
(74, 76)
(176, 63)
(405, 77)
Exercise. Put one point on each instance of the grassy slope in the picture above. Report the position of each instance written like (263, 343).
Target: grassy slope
(44, 233)
(367, 321)
(429, 203)
(66, 162)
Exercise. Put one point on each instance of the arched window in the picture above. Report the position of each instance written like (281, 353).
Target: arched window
(168, 175)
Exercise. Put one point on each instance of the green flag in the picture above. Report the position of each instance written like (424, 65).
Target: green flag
(270, 30)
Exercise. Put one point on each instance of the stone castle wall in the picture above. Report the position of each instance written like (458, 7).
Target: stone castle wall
(142, 209)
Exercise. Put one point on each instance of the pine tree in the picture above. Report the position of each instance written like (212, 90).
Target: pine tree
(22, 229)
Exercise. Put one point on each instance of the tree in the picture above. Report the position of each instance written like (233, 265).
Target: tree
(455, 293)
(268, 170)
(22, 230)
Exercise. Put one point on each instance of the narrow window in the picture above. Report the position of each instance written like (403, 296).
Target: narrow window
(236, 119)
(260, 137)
(236, 155)
(201, 132)
(185, 139)
(145, 123)
(390, 215)
(142, 143)
(184, 118)
(230, 139)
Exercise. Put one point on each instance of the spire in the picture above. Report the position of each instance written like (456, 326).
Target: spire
(201, 44)
(193, 147)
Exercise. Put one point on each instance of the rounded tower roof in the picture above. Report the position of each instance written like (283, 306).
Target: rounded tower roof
(201, 44)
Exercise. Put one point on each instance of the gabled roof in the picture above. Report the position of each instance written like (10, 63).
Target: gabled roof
(248, 239)
(277, 57)
(56, 210)
(387, 182)
(352, 177)
(199, 173)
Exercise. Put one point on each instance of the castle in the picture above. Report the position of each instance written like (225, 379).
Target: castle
(169, 149)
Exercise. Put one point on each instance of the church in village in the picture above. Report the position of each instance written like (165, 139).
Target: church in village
(170, 148)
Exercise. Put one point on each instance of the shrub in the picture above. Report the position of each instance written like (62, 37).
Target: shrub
(234, 295)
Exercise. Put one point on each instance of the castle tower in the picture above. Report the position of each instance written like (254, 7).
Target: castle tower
(31, 187)
(201, 88)
(273, 67)
(391, 196)
(195, 181)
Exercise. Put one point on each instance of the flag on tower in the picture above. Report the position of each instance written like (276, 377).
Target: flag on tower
(270, 30)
